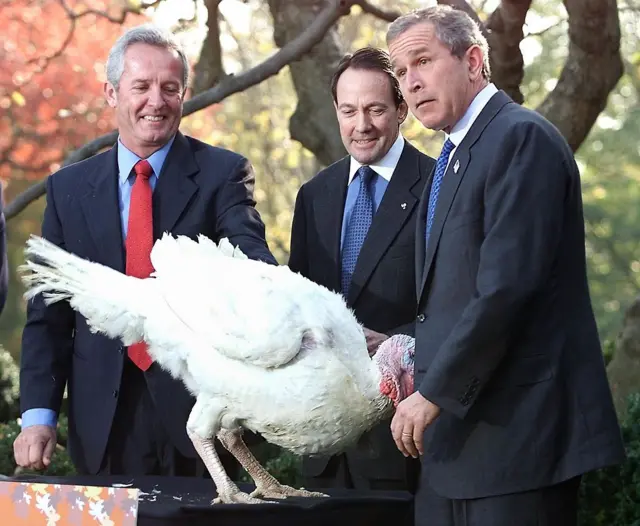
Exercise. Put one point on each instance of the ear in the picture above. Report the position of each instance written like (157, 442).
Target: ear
(403, 111)
(475, 62)
(110, 94)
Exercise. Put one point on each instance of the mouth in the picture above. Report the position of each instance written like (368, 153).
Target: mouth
(365, 142)
(423, 103)
(153, 118)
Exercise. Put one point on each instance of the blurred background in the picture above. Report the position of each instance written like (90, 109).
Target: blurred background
(259, 86)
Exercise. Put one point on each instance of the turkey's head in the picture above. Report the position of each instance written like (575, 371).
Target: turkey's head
(395, 358)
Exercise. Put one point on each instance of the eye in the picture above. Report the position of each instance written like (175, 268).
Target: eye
(424, 61)
(400, 73)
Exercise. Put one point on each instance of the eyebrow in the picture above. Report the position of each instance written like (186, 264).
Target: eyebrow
(374, 103)
(413, 53)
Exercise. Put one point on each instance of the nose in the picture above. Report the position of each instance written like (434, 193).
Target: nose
(156, 98)
(363, 122)
(414, 82)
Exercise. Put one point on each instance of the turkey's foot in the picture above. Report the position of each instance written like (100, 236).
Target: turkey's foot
(266, 484)
(228, 492)
(280, 491)
(236, 497)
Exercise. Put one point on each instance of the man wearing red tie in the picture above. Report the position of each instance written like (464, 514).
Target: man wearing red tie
(126, 415)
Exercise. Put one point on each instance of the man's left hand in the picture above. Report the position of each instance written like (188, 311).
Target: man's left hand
(374, 339)
(411, 418)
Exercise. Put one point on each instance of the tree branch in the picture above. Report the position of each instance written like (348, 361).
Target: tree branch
(382, 14)
(228, 86)
(504, 36)
(209, 69)
(593, 68)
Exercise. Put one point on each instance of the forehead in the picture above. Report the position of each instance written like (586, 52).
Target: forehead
(413, 41)
(140, 60)
(362, 84)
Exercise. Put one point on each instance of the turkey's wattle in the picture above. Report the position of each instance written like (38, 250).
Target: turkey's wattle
(395, 358)
(299, 373)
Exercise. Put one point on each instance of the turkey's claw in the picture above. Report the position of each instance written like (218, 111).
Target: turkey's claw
(236, 497)
(280, 491)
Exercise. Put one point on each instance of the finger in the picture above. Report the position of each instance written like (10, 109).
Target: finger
(35, 455)
(418, 433)
(407, 440)
(21, 452)
(49, 449)
(396, 431)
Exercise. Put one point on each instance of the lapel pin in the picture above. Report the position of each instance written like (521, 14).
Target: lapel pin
(403, 205)
(456, 167)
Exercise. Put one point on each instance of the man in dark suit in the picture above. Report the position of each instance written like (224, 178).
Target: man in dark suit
(383, 176)
(126, 415)
(512, 403)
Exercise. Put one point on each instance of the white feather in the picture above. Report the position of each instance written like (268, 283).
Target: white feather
(259, 346)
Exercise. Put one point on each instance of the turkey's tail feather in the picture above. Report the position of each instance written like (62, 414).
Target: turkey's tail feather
(111, 302)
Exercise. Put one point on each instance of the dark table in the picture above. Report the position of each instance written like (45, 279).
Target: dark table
(186, 501)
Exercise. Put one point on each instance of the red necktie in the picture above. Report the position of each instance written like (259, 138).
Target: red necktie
(139, 243)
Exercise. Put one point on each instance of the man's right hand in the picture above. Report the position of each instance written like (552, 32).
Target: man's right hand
(34, 447)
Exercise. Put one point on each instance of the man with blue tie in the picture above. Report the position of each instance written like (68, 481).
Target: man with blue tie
(127, 415)
(512, 403)
(353, 231)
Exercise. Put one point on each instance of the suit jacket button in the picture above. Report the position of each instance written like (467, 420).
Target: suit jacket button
(115, 393)
(121, 349)
(421, 318)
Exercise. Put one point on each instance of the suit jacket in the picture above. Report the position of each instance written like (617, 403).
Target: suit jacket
(382, 294)
(506, 340)
(201, 190)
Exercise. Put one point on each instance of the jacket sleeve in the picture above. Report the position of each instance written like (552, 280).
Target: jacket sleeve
(47, 339)
(238, 219)
(298, 261)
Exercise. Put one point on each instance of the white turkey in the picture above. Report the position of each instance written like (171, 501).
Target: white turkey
(260, 347)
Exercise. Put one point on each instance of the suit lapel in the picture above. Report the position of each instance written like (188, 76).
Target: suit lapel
(101, 208)
(395, 209)
(328, 208)
(456, 170)
(176, 186)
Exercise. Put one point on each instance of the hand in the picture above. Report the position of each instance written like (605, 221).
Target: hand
(34, 447)
(411, 418)
(374, 339)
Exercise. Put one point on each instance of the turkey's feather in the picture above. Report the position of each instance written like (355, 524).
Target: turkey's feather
(236, 315)
(112, 302)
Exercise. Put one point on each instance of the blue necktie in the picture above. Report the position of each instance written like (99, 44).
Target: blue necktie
(441, 167)
(358, 226)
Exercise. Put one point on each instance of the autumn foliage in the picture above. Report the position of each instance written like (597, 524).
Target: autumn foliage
(51, 80)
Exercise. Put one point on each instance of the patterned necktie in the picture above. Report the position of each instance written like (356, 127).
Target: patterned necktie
(358, 226)
(139, 243)
(441, 167)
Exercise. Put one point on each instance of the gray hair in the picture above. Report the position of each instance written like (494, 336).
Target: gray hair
(454, 28)
(145, 34)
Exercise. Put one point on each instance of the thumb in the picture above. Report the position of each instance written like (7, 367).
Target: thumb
(49, 448)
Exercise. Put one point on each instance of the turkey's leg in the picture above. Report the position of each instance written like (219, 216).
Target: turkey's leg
(228, 492)
(203, 422)
(266, 484)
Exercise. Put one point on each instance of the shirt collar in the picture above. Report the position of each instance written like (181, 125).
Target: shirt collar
(463, 126)
(385, 166)
(127, 159)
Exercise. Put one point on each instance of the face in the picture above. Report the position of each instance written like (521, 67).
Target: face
(367, 114)
(437, 86)
(148, 101)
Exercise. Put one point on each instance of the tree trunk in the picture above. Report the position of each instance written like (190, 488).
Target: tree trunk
(314, 122)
